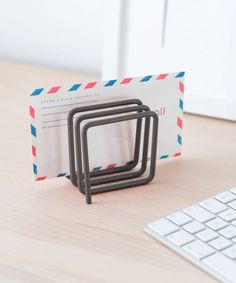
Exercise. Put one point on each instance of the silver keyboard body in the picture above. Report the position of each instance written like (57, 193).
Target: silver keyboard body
(203, 233)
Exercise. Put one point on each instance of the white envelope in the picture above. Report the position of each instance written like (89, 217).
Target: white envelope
(109, 144)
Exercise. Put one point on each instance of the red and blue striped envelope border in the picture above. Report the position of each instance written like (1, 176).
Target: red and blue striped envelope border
(78, 86)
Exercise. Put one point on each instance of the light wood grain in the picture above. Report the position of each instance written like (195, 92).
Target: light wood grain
(47, 232)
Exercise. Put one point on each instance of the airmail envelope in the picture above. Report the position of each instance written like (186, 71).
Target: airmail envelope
(108, 144)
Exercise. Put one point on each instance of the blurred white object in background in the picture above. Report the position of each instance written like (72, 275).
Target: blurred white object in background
(185, 35)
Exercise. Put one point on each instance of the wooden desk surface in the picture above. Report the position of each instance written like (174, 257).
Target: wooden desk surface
(47, 232)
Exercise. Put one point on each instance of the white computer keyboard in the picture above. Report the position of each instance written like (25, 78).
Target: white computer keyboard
(204, 233)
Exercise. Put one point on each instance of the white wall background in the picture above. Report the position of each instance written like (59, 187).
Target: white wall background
(61, 33)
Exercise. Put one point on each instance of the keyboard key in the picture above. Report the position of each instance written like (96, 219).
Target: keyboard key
(232, 204)
(163, 227)
(225, 197)
(179, 218)
(228, 215)
(228, 232)
(207, 235)
(220, 243)
(181, 238)
(216, 224)
(198, 249)
(213, 205)
(222, 265)
(199, 213)
(231, 252)
(194, 227)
